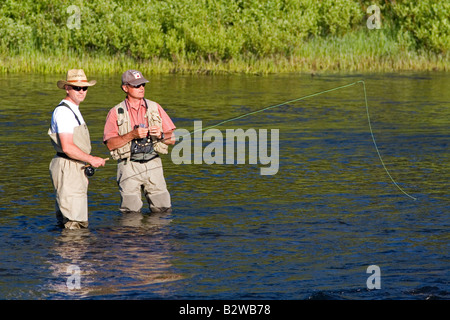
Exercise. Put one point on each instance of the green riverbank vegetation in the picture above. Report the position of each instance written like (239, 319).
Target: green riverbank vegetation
(224, 36)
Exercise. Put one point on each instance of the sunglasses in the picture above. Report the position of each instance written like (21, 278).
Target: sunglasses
(79, 88)
(138, 86)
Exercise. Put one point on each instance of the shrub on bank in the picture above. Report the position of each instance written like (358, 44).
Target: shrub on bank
(211, 30)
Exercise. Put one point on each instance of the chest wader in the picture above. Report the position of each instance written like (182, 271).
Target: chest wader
(69, 181)
(139, 165)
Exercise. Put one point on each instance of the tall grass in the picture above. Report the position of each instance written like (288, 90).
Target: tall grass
(223, 36)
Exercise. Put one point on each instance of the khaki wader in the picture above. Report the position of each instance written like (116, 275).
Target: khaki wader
(134, 177)
(70, 182)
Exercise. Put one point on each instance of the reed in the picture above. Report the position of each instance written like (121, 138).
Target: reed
(356, 52)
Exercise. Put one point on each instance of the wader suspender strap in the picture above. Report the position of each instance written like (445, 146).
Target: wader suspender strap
(61, 154)
(66, 105)
(146, 107)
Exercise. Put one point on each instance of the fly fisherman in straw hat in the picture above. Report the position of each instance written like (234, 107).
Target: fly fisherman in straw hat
(70, 138)
(136, 131)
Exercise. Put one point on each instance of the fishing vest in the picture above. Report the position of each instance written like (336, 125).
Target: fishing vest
(124, 124)
(81, 137)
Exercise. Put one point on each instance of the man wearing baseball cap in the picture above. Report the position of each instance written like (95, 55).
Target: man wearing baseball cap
(136, 131)
(70, 138)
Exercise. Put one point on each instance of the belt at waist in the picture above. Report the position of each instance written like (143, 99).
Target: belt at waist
(139, 161)
(65, 156)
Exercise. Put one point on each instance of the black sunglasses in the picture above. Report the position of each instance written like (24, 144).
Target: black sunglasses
(138, 86)
(79, 88)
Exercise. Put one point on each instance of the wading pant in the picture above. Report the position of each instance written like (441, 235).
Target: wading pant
(71, 186)
(134, 178)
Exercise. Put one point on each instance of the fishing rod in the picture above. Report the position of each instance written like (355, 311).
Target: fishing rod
(89, 170)
(296, 100)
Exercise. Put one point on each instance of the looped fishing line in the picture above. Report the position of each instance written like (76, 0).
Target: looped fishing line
(299, 99)
(375, 143)
(310, 96)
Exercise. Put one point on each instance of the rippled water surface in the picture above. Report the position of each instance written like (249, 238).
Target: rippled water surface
(308, 232)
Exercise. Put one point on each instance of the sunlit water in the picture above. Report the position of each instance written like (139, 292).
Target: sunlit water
(308, 232)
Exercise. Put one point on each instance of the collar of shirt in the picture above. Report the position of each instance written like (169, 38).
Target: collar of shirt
(137, 114)
(72, 105)
(141, 104)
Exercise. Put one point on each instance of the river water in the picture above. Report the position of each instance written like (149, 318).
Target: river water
(309, 231)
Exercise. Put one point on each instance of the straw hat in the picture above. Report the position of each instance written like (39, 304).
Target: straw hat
(76, 77)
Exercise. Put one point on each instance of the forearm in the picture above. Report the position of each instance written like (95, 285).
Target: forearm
(169, 138)
(73, 152)
(119, 141)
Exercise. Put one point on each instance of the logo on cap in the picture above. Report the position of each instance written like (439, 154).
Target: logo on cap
(136, 75)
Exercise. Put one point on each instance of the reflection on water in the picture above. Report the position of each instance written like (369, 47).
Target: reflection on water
(308, 232)
(135, 252)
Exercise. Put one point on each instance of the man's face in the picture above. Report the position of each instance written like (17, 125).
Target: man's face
(136, 92)
(77, 94)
